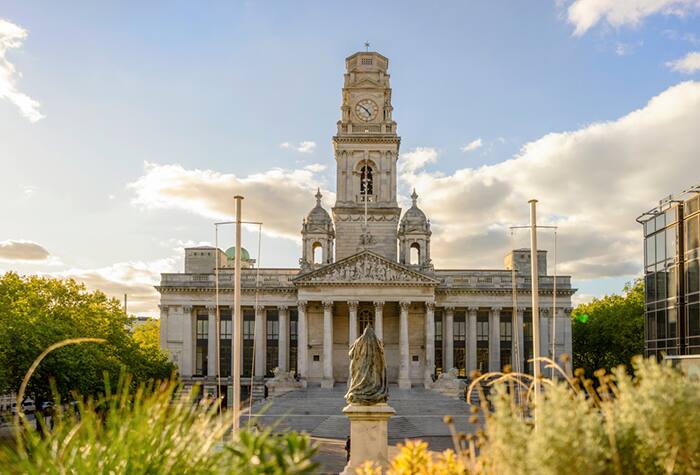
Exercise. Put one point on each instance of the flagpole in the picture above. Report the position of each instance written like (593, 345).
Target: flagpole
(237, 326)
(535, 304)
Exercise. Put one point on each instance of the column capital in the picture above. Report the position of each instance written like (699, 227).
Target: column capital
(496, 308)
(473, 308)
(327, 304)
(282, 308)
(404, 304)
(352, 304)
(187, 308)
(162, 308)
(430, 305)
(211, 308)
(301, 304)
(521, 309)
(544, 311)
(259, 308)
(379, 304)
(568, 310)
(449, 308)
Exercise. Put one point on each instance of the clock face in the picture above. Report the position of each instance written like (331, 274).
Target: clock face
(366, 110)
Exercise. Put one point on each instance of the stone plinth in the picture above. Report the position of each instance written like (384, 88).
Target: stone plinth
(368, 434)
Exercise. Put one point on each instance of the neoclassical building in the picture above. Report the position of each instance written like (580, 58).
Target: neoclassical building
(364, 263)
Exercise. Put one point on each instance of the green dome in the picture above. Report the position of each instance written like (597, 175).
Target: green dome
(231, 253)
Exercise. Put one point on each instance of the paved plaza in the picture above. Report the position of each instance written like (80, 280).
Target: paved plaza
(318, 412)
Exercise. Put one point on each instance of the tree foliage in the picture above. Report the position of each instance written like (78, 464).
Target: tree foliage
(608, 332)
(36, 312)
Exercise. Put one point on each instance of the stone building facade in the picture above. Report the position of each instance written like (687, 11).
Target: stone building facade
(366, 265)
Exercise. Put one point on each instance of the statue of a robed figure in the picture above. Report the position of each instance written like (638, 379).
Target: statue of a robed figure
(367, 370)
(367, 408)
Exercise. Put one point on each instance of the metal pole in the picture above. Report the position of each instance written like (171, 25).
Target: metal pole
(237, 326)
(554, 305)
(535, 303)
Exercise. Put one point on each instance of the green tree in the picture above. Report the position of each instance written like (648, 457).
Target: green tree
(608, 332)
(38, 311)
(147, 334)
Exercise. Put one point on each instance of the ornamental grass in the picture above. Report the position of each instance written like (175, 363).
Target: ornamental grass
(645, 423)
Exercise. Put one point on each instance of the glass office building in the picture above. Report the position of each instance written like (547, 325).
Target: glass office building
(671, 275)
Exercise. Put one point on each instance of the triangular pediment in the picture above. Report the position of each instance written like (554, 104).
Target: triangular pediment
(365, 267)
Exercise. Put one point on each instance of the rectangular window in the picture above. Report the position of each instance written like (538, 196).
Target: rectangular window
(650, 252)
(671, 290)
(225, 336)
(692, 279)
(460, 339)
(506, 330)
(661, 324)
(273, 339)
(672, 326)
(651, 325)
(482, 341)
(527, 341)
(248, 333)
(438, 343)
(293, 339)
(202, 344)
(650, 287)
(693, 319)
(661, 246)
(671, 236)
(660, 285)
(692, 235)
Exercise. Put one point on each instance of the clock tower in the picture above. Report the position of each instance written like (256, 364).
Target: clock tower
(366, 150)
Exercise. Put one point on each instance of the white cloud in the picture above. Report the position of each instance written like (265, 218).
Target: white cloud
(417, 159)
(135, 279)
(585, 14)
(305, 146)
(12, 36)
(592, 182)
(473, 145)
(279, 198)
(688, 64)
(21, 250)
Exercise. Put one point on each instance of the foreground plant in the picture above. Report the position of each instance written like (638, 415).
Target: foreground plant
(621, 424)
(153, 431)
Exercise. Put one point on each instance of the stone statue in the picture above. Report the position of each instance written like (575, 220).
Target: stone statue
(367, 370)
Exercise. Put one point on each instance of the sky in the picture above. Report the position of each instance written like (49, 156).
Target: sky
(126, 128)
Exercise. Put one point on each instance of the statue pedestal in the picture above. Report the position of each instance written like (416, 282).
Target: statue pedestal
(368, 434)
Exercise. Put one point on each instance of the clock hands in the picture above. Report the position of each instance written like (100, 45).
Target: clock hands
(366, 110)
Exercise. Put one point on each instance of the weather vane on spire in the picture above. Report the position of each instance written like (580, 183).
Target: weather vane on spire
(366, 45)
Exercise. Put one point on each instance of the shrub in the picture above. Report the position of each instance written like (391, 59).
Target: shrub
(648, 423)
(153, 431)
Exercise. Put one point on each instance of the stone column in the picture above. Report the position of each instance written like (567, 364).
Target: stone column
(520, 351)
(187, 363)
(352, 325)
(495, 339)
(449, 355)
(404, 369)
(471, 339)
(302, 339)
(163, 328)
(259, 341)
(429, 343)
(211, 341)
(379, 319)
(283, 345)
(327, 382)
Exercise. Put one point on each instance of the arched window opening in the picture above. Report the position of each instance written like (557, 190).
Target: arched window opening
(365, 318)
(318, 253)
(366, 180)
(414, 257)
